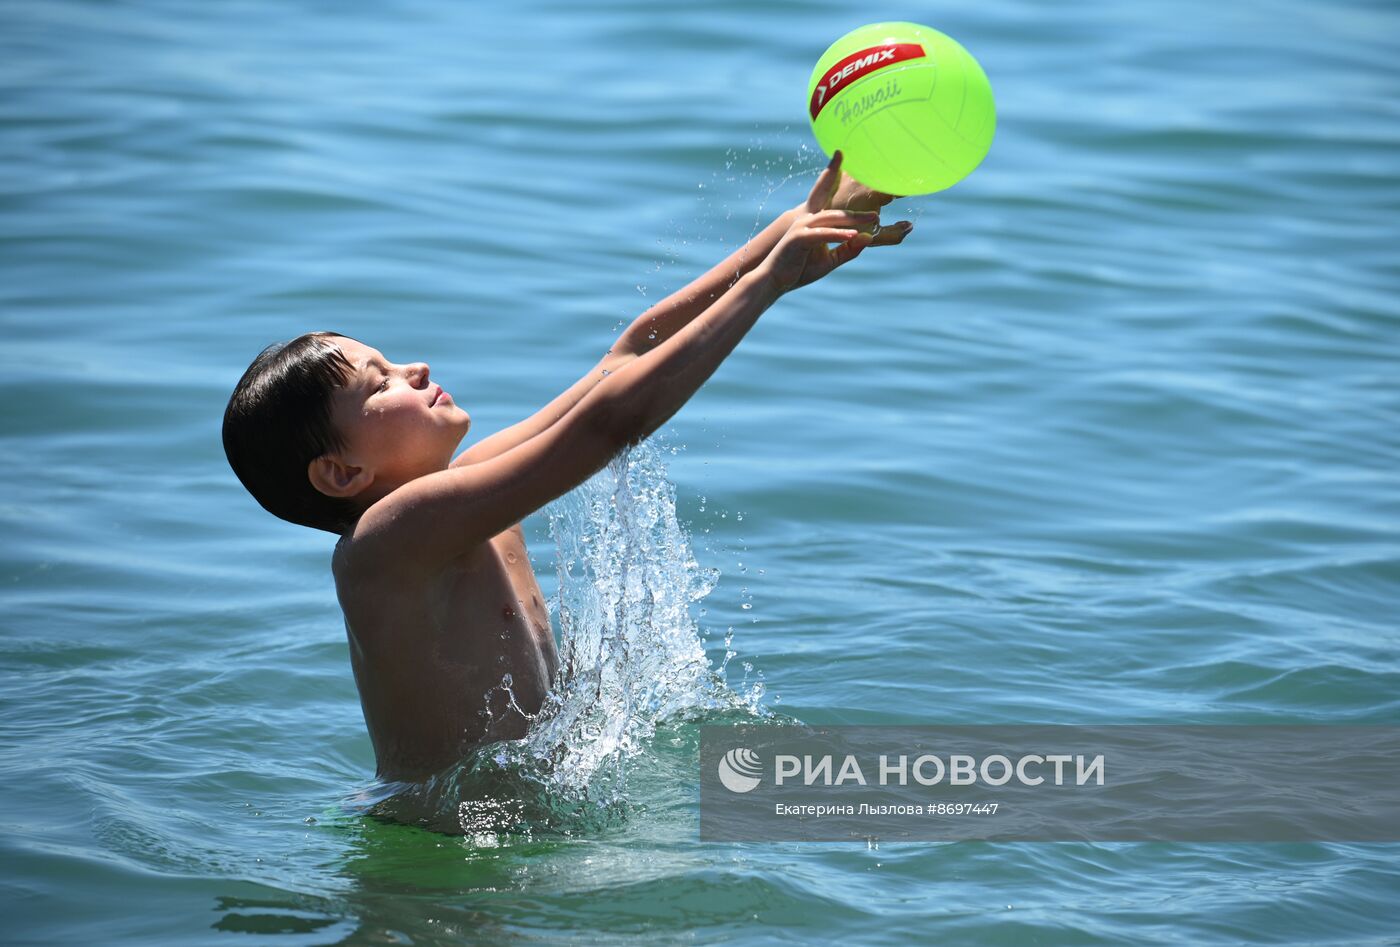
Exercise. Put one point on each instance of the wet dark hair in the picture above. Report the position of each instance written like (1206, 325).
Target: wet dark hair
(279, 420)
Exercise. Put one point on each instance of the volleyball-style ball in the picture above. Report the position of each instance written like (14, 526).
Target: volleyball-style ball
(911, 110)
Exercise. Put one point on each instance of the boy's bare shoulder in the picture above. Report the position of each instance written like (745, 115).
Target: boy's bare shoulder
(393, 526)
(384, 544)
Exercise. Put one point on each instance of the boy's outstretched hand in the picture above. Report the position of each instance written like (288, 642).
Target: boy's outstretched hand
(802, 255)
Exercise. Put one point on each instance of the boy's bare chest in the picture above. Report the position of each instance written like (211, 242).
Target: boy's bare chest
(482, 617)
(519, 582)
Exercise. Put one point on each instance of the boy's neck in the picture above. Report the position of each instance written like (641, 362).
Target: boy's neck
(380, 489)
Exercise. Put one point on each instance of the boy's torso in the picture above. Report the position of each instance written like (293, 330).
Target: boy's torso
(449, 659)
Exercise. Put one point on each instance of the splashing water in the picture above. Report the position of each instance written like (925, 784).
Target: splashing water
(631, 652)
(631, 659)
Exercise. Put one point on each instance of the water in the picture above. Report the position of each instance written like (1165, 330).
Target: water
(1111, 439)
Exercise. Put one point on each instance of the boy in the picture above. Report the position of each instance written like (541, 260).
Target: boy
(450, 640)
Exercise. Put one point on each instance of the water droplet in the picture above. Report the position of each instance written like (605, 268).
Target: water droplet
(606, 372)
(746, 606)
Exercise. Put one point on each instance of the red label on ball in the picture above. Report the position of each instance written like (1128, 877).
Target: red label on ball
(857, 65)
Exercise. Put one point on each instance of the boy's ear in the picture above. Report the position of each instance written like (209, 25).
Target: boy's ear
(335, 478)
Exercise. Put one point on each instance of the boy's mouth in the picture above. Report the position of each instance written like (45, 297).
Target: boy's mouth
(436, 395)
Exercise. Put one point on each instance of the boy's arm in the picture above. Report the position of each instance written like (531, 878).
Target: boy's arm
(663, 320)
(434, 518)
(659, 323)
(543, 419)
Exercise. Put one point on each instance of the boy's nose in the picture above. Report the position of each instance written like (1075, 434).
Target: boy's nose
(419, 372)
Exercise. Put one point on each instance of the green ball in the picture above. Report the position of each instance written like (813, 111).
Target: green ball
(909, 108)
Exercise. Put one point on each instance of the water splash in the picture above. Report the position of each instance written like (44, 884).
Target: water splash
(632, 654)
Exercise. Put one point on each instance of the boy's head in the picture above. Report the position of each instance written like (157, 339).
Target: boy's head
(320, 427)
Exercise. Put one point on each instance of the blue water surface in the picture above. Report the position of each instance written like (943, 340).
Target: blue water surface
(1112, 438)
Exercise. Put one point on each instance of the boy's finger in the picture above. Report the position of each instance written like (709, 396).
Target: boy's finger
(893, 234)
(826, 235)
(859, 219)
(849, 250)
(826, 185)
(877, 198)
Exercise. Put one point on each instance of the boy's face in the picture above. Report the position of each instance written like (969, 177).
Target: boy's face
(395, 421)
